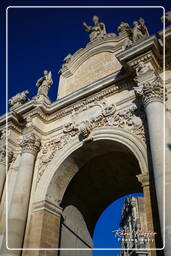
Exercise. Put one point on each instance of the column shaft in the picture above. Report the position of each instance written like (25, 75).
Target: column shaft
(151, 94)
(17, 213)
(18, 210)
(154, 113)
(168, 188)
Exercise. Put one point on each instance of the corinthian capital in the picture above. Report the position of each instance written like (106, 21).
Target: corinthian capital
(150, 91)
(30, 144)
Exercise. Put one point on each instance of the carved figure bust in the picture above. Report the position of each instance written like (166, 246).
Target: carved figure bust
(96, 31)
(84, 130)
(142, 68)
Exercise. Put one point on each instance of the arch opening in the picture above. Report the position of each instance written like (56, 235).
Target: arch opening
(101, 172)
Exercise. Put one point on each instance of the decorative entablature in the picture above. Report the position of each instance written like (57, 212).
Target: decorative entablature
(146, 66)
(147, 51)
(24, 114)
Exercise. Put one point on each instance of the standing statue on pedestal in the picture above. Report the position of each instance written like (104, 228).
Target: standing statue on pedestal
(96, 31)
(44, 83)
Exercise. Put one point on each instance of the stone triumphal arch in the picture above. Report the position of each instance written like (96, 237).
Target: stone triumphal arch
(101, 139)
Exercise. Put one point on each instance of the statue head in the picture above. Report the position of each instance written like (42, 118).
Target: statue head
(141, 21)
(135, 23)
(45, 72)
(95, 20)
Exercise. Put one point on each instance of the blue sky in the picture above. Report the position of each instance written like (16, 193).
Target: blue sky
(40, 39)
(109, 221)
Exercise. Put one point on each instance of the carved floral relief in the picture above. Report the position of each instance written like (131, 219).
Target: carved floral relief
(126, 119)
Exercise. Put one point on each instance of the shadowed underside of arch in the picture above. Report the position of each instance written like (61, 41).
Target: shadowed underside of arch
(109, 172)
(106, 171)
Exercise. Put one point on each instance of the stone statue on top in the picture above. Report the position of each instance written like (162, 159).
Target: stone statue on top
(97, 31)
(44, 83)
(139, 30)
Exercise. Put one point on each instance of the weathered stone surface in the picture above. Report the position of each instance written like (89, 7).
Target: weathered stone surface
(95, 140)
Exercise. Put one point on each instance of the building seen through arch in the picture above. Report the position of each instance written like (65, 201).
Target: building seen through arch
(102, 139)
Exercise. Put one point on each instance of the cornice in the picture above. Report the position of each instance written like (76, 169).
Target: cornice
(102, 88)
(135, 51)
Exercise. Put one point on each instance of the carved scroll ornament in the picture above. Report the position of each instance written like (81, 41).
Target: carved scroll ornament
(108, 116)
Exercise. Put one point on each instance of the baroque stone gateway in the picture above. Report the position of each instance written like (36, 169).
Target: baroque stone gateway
(64, 162)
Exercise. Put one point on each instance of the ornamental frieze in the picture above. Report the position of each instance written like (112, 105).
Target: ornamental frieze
(82, 124)
(79, 105)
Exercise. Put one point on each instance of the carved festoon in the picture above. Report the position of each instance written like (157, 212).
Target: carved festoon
(97, 31)
(30, 144)
(108, 117)
(18, 99)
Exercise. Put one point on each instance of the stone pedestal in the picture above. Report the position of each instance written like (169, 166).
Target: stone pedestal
(18, 210)
(44, 229)
(42, 99)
